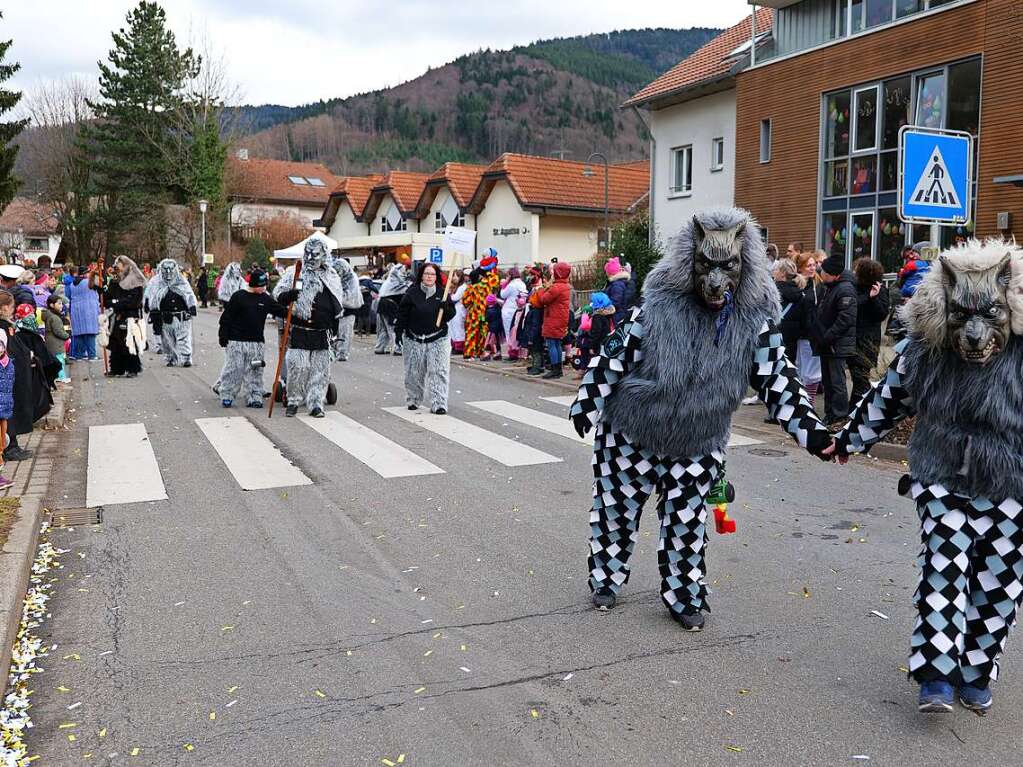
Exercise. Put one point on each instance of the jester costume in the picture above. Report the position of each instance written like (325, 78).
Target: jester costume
(661, 394)
(960, 372)
(483, 281)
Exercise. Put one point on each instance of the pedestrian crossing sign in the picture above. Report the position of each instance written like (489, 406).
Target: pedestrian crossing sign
(935, 176)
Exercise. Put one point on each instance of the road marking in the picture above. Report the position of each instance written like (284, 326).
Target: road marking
(551, 423)
(122, 466)
(567, 400)
(501, 449)
(254, 460)
(740, 440)
(386, 458)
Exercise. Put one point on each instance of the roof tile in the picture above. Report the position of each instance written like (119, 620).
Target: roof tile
(706, 63)
(260, 179)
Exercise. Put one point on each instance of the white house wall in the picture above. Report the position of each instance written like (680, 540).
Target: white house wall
(572, 239)
(345, 224)
(695, 123)
(426, 224)
(506, 227)
(250, 212)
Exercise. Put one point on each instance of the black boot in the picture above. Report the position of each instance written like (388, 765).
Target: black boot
(534, 368)
(554, 372)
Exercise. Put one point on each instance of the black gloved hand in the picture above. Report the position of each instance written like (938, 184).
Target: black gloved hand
(582, 424)
(193, 311)
(288, 297)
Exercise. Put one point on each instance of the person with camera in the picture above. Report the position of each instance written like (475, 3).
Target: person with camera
(241, 336)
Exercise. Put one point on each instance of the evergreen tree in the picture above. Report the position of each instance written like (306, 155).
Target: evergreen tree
(8, 130)
(130, 141)
(256, 254)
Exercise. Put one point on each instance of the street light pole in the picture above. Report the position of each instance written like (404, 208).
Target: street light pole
(588, 172)
(203, 204)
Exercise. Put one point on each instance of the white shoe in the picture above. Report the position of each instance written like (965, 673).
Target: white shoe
(751, 401)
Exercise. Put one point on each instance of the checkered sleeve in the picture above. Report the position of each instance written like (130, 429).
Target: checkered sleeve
(880, 410)
(778, 386)
(622, 350)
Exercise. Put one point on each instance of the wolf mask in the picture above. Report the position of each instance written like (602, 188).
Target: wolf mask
(973, 303)
(717, 262)
(315, 255)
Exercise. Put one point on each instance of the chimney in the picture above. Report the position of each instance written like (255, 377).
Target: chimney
(242, 154)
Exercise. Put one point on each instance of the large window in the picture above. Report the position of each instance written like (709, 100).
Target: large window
(859, 155)
(682, 170)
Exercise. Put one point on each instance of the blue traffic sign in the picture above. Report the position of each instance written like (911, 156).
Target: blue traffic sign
(436, 256)
(935, 176)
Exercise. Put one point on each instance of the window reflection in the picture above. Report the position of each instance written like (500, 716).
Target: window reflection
(930, 100)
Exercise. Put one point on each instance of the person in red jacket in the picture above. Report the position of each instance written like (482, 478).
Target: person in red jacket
(556, 299)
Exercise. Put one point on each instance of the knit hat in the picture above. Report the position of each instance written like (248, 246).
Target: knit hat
(600, 300)
(258, 278)
(834, 265)
(488, 263)
(491, 299)
(612, 267)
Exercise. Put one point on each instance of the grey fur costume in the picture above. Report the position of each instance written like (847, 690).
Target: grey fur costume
(231, 281)
(661, 394)
(966, 461)
(238, 374)
(427, 370)
(313, 281)
(679, 401)
(176, 336)
(352, 301)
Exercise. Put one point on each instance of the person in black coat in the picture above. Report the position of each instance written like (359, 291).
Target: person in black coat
(202, 287)
(872, 301)
(428, 353)
(793, 311)
(124, 298)
(836, 335)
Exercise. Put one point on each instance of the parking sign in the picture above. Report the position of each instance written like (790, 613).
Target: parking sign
(436, 256)
(935, 176)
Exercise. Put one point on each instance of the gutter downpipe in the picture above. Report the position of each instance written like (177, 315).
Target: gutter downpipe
(753, 39)
(651, 234)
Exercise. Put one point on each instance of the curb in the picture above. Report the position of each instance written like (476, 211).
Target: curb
(15, 568)
(58, 413)
(888, 451)
(514, 371)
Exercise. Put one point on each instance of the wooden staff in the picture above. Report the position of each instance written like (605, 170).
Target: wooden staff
(284, 341)
(447, 292)
(102, 308)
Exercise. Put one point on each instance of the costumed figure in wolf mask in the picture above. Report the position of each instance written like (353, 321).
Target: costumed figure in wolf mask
(397, 281)
(352, 303)
(960, 372)
(231, 281)
(661, 394)
(170, 298)
(315, 318)
(241, 336)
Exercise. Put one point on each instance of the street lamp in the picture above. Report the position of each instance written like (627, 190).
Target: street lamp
(203, 204)
(588, 172)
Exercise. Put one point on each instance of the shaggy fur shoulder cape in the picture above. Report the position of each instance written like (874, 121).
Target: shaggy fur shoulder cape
(313, 281)
(158, 287)
(679, 399)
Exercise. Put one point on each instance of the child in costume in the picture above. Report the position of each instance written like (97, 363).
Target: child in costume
(661, 394)
(495, 328)
(959, 372)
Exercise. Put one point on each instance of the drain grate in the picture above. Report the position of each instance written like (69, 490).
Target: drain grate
(76, 517)
(768, 452)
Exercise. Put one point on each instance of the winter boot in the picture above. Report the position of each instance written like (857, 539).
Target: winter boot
(535, 366)
(554, 372)
(693, 622)
(604, 598)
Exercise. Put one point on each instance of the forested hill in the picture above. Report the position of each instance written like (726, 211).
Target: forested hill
(552, 96)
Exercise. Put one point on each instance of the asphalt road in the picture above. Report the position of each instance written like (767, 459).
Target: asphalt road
(445, 620)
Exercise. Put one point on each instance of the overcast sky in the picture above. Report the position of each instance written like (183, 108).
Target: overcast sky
(296, 51)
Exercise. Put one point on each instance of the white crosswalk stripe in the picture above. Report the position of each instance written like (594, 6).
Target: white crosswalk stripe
(386, 458)
(567, 400)
(253, 460)
(499, 448)
(551, 423)
(122, 466)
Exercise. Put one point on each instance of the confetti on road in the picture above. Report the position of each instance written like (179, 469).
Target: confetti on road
(466, 670)
(73, 706)
(735, 749)
(319, 694)
(231, 703)
(419, 690)
(428, 653)
(861, 757)
(534, 713)
(135, 751)
(189, 747)
(213, 716)
(67, 725)
(231, 689)
(879, 614)
(102, 733)
(566, 678)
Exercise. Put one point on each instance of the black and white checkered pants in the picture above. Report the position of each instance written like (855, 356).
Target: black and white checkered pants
(971, 566)
(624, 477)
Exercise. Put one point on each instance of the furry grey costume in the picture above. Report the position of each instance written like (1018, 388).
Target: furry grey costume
(662, 392)
(393, 288)
(313, 334)
(231, 281)
(965, 458)
(176, 324)
(239, 373)
(352, 294)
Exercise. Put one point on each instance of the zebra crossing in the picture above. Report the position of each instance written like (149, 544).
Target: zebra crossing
(123, 466)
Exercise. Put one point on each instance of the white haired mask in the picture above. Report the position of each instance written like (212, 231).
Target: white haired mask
(315, 255)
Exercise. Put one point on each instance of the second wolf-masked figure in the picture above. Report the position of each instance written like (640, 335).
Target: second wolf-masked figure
(170, 298)
(661, 395)
(352, 303)
(315, 317)
(241, 335)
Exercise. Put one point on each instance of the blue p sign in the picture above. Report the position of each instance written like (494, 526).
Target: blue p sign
(436, 256)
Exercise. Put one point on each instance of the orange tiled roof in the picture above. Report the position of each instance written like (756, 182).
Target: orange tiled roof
(259, 179)
(404, 187)
(353, 189)
(32, 218)
(461, 180)
(707, 63)
(543, 182)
